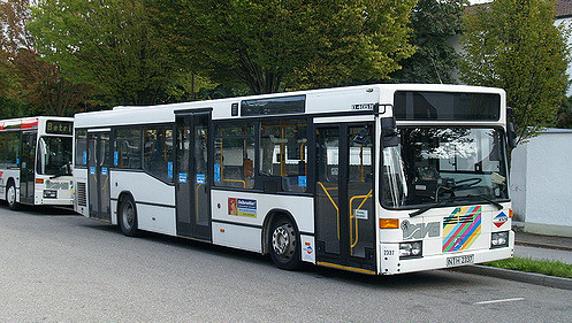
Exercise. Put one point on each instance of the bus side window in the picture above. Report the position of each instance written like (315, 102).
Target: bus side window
(9, 149)
(127, 151)
(158, 152)
(81, 148)
(283, 153)
(234, 153)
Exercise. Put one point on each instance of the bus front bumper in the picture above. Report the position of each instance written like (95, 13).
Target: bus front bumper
(394, 265)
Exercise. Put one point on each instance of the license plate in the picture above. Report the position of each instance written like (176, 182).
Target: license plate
(460, 260)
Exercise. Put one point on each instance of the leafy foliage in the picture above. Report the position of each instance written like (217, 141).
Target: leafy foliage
(435, 24)
(564, 119)
(110, 45)
(29, 86)
(514, 45)
(274, 45)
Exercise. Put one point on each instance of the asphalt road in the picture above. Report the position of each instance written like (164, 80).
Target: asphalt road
(68, 268)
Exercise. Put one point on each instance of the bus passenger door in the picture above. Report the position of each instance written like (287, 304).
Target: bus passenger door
(27, 162)
(192, 180)
(98, 163)
(344, 201)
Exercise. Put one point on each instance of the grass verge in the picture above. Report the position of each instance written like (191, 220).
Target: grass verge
(546, 267)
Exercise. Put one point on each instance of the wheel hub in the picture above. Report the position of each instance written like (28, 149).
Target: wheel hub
(283, 241)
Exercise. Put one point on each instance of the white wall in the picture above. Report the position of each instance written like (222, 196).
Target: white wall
(541, 183)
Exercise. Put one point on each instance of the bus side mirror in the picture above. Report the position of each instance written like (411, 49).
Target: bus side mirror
(389, 135)
(510, 128)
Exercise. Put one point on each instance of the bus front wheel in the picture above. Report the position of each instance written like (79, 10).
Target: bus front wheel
(284, 244)
(127, 217)
(11, 196)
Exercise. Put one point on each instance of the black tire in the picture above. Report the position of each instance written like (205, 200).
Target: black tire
(127, 216)
(11, 196)
(284, 244)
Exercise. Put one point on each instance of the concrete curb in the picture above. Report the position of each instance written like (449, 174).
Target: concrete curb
(520, 276)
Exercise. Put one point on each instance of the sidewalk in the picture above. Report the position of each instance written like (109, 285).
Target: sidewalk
(533, 240)
(543, 247)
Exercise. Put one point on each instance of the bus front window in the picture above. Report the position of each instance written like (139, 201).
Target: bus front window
(54, 153)
(442, 165)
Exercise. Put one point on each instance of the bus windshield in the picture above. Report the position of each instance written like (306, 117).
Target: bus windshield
(54, 153)
(444, 164)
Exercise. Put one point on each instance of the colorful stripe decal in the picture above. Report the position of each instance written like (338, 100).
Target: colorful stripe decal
(461, 228)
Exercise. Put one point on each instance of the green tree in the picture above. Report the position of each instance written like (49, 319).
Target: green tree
(435, 24)
(514, 45)
(564, 119)
(273, 45)
(28, 85)
(113, 46)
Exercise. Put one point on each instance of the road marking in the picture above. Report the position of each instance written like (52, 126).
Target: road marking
(499, 301)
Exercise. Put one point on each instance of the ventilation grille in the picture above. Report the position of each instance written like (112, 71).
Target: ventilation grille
(81, 194)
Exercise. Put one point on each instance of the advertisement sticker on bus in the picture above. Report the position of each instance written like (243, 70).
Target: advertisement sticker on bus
(92, 170)
(182, 177)
(84, 158)
(115, 158)
(302, 181)
(201, 178)
(170, 169)
(104, 171)
(242, 207)
(217, 172)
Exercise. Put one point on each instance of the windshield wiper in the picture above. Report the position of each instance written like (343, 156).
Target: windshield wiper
(444, 202)
(429, 207)
(486, 199)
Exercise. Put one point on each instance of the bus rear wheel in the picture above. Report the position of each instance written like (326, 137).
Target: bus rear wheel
(11, 196)
(284, 244)
(127, 217)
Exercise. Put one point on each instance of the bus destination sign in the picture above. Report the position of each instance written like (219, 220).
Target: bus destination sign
(59, 127)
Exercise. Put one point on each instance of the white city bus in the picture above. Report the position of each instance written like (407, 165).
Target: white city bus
(35, 161)
(376, 179)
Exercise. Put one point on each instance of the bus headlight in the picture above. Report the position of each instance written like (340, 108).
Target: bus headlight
(48, 194)
(410, 249)
(499, 239)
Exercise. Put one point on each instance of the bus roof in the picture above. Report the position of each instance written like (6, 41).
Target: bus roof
(24, 123)
(322, 101)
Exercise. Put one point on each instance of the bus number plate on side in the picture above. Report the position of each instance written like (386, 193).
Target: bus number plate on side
(460, 260)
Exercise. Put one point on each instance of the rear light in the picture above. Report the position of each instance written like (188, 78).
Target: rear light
(499, 239)
(39, 181)
(389, 223)
(410, 250)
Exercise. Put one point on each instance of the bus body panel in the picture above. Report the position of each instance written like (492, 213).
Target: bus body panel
(239, 217)
(155, 200)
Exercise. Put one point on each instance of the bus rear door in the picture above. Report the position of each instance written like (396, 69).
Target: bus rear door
(27, 162)
(192, 179)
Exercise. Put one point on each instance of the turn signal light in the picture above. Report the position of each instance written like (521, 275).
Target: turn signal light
(389, 223)
(39, 181)
(510, 213)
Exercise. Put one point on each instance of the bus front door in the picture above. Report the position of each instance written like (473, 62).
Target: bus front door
(98, 163)
(345, 216)
(27, 162)
(192, 179)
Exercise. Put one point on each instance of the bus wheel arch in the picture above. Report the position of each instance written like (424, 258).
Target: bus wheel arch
(281, 221)
(127, 214)
(11, 194)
